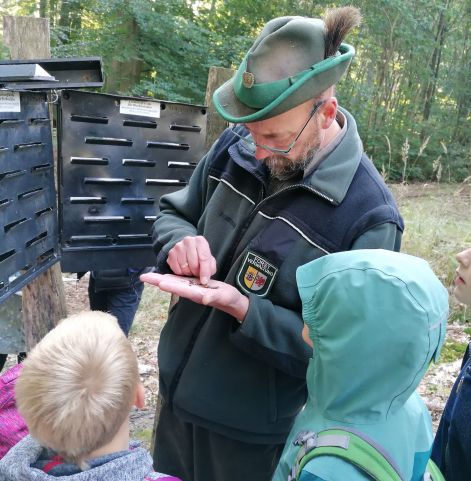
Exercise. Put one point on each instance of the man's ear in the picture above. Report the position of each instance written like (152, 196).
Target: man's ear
(329, 112)
(140, 399)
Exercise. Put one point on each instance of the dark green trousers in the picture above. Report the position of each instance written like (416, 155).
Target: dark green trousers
(196, 454)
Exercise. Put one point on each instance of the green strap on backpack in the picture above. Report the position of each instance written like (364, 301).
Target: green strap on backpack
(354, 448)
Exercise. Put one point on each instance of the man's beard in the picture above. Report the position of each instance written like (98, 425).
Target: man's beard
(284, 168)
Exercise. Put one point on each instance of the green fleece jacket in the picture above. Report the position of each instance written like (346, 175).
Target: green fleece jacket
(247, 381)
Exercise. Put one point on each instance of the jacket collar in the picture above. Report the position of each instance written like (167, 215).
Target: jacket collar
(335, 167)
(337, 163)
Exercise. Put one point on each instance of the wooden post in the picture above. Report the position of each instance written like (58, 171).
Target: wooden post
(26, 37)
(216, 124)
(43, 298)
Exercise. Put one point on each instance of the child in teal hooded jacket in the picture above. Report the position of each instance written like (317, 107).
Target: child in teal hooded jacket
(375, 319)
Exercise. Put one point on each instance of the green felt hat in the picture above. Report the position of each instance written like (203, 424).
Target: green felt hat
(285, 67)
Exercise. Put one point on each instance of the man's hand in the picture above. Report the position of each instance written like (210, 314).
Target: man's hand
(192, 257)
(216, 294)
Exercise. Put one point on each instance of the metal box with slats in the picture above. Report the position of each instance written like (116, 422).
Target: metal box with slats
(117, 157)
(28, 220)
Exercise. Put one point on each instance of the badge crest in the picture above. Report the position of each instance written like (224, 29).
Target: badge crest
(256, 275)
(248, 79)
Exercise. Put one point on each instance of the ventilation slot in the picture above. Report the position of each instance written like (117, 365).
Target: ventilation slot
(137, 200)
(9, 122)
(11, 173)
(167, 145)
(7, 255)
(106, 181)
(173, 164)
(89, 160)
(139, 162)
(88, 238)
(165, 182)
(108, 141)
(36, 240)
(87, 200)
(30, 145)
(149, 124)
(47, 210)
(185, 128)
(39, 120)
(30, 193)
(106, 219)
(12, 225)
(134, 236)
(40, 168)
(45, 255)
(89, 119)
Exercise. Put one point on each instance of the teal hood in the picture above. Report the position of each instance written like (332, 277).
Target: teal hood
(376, 318)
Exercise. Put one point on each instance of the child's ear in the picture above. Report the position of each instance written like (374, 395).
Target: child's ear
(139, 402)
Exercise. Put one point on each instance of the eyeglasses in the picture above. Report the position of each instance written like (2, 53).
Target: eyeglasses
(251, 144)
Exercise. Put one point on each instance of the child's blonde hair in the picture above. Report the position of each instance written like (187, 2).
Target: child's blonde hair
(78, 384)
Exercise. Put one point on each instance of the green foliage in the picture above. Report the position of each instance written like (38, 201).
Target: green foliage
(452, 351)
(144, 436)
(4, 52)
(409, 80)
(438, 226)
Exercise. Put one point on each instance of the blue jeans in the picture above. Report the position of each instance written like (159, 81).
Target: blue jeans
(452, 447)
(120, 302)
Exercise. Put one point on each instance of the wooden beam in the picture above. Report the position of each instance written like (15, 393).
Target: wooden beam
(43, 298)
(216, 124)
(26, 37)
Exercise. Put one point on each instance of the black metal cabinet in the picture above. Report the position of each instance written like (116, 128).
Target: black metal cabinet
(28, 221)
(116, 157)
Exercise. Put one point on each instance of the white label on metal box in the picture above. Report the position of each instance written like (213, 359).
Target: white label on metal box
(143, 108)
(9, 101)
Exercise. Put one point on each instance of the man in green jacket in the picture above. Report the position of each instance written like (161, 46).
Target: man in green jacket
(287, 184)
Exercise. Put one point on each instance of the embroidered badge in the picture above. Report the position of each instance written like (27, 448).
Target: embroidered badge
(256, 275)
(248, 79)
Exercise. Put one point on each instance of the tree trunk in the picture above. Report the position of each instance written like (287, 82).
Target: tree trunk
(43, 298)
(43, 8)
(216, 124)
(124, 74)
(435, 62)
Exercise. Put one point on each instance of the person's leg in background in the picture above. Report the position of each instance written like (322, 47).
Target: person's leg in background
(98, 299)
(123, 303)
(117, 294)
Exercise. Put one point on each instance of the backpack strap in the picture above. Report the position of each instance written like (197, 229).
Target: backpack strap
(433, 473)
(350, 446)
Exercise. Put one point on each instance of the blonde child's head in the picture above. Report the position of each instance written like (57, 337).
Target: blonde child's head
(78, 384)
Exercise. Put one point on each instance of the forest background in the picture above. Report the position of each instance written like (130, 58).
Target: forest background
(409, 86)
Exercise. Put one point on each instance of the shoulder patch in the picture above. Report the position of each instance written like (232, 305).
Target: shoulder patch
(256, 275)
